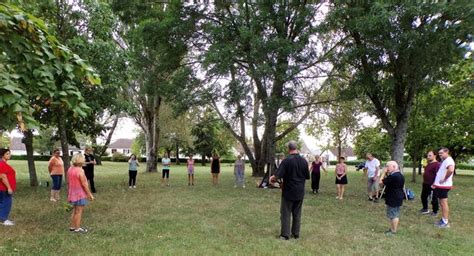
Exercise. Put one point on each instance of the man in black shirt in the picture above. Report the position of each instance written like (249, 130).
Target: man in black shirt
(294, 172)
(89, 167)
(394, 194)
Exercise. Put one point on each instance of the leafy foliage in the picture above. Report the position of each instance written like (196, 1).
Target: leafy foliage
(372, 140)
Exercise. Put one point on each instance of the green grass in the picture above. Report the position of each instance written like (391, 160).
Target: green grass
(207, 220)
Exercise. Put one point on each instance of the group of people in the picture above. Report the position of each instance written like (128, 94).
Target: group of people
(293, 172)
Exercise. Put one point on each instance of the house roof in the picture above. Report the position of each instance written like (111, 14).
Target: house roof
(346, 151)
(16, 144)
(121, 143)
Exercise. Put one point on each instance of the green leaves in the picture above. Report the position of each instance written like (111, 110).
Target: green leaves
(36, 64)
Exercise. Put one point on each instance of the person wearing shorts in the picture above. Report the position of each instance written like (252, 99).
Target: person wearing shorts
(190, 166)
(165, 177)
(341, 178)
(394, 183)
(372, 168)
(78, 192)
(56, 171)
(442, 184)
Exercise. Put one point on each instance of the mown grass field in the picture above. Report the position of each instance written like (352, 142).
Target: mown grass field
(222, 220)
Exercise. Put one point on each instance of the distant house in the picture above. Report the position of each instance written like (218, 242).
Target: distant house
(123, 146)
(347, 152)
(18, 148)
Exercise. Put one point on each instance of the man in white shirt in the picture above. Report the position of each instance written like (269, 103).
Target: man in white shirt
(372, 168)
(442, 184)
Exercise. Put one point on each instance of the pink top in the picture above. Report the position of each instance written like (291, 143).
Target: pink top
(190, 164)
(340, 169)
(75, 190)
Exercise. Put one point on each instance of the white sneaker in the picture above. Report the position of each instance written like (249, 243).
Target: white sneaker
(8, 223)
(130, 187)
(243, 186)
(134, 186)
(53, 200)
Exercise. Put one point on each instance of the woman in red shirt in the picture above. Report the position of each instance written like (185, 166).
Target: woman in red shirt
(7, 187)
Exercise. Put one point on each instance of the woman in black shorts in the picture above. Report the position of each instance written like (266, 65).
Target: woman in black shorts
(215, 168)
(341, 177)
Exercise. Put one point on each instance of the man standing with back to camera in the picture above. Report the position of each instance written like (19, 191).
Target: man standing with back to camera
(294, 172)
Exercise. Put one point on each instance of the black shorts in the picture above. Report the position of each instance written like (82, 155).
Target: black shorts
(165, 173)
(342, 181)
(441, 193)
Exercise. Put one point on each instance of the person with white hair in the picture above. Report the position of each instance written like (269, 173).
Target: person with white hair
(394, 183)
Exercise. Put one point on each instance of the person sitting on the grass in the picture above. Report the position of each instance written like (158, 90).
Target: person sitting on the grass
(7, 187)
(78, 192)
(394, 183)
(56, 170)
(165, 176)
(239, 172)
(372, 169)
(341, 177)
(190, 166)
(429, 176)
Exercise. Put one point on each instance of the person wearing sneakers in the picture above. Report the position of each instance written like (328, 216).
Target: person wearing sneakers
(341, 177)
(372, 167)
(442, 184)
(190, 165)
(429, 176)
(78, 192)
(394, 194)
(165, 177)
(7, 187)
(294, 171)
(132, 171)
(239, 172)
(56, 170)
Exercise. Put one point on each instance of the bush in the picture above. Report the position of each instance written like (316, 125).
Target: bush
(36, 158)
(118, 157)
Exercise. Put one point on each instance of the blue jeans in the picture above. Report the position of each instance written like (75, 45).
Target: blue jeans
(239, 178)
(57, 180)
(6, 201)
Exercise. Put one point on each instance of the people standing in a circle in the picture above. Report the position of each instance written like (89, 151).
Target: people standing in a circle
(89, 167)
(190, 166)
(132, 171)
(56, 170)
(341, 177)
(316, 166)
(239, 172)
(7, 187)
(215, 168)
(165, 177)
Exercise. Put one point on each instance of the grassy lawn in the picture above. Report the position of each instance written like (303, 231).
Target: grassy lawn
(207, 220)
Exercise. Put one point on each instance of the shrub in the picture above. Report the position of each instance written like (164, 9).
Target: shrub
(119, 157)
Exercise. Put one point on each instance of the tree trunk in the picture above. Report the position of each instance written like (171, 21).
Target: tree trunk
(103, 149)
(63, 139)
(177, 154)
(203, 160)
(413, 176)
(419, 167)
(28, 141)
(152, 132)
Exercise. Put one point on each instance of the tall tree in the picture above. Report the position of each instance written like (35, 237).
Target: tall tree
(155, 36)
(372, 140)
(262, 60)
(40, 72)
(395, 51)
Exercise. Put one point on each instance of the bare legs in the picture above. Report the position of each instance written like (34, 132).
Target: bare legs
(215, 178)
(76, 217)
(190, 179)
(444, 209)
(340, 191)
(394, 225)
